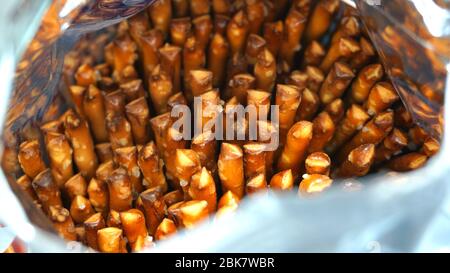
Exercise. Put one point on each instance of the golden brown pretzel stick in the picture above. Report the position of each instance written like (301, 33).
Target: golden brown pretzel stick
(308, 106)
(390, 146)
(83, 146)
(60, 155)
(373, 132)
(137, 25)
(76, 185)
(160, 89)
(256, 184)
(77, 95)
(237, 31)
(159, 125)
(315, 78)
(133, 90)
(254, 159)
(133, 223)
(348, 27)
(110, 240)
(24, 183)
(298, 78)
(407, 162)
(113, 219)
(273, 35)
(239, 85)
(255, 10)
(318, 163)
(46, 190)
(30, 158)
(321, 19)
(126, 158)
(120, 190)
(381, 96)
(174, 141)
(194, 57)
(205, 145)
(314, 54)
(98, 194)
(221, 7)
(173, 197)
(217, 59)
(176, 99)
(363, 57)
(63, 223)
(92, 225)
(336, 110)
(288, 98)
(165, 229)
(119, 131)
(270, 11)
(94, 110)
(104, 170)
(151, 167)
(170, 60)
(180, 30)
(297, 142)
(430, 147)
(417, 135)
(255, 45)
(115, 103)
(199, 7)
(138, 115)
(336, 82)
(203, 27)
(161, 13)
(188, 214)
(129, 73)
(313, 184)
(211, 109)
(228, 204)
(124, 54)
(80, 209)
(236, 65)
(203, 187)
(265, 71)
(402, 117)
(85, 75)
(187, 163)
(365, 80)
(261, 101)
(150, 42)
(154, 208)
(283, 181)
(180, 8)
(354, 119)
(231, 169)
(323, 131)
(344, 48)
(220, 24)
(200, 82)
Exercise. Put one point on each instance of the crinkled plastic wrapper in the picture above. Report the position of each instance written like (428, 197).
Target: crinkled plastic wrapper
(382, 212)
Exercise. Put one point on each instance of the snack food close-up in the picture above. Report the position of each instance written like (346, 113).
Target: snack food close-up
(188, 125)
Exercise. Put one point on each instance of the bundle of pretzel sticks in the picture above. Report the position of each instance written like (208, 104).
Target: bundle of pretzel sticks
(119, 177)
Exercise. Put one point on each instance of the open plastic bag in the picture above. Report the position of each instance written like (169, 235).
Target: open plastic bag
(384, 212)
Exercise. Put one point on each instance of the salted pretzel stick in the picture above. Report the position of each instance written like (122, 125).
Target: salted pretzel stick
(187, 163)
(119, 129)
(81, 209)
(200, 82)
(297, 142)
(228, 204)
(318, 163)
(323, 130)
(336, 82)
(63, 223)
(203, 187)
(60, 155)
(83, 146)
(273, 35)
(24, 183)
(173, 197)
(30, 158)
(203, 28)
(365, 80)
(133, 223)
(217, 59)
(160, 89)
(94, 110)
(77, 95)
(336, 110)
(237, 31)
(239, 85)
(76, 185)
(390, 146)
(104, 152)
(402, 118)
(137, 25)
(150, 42)
(265, 71)
(151, 167)
(205, 145)
(344, 48)
(154, 208)
(115, 103)
(126, 158)
(315, 78)
(407, 162)
(110, 240)
(381, 97)
(85, 75)
(282, 181)
(288, 98)
(256, 184)
(320, 19)
(363, 57)
(176, 99)
(170, 60)
(92, 225)
(314, 183)
(120, 190)
(373, 132)
(138, 114)
(180, 30)
(46, 190)
(255, 10)
(124, 54)
(159, 125)
(254, 159)
(348, 27)
(161, 13)
(309, 105)
(231, 169)
(166, 229)
(98, 194)
(133, 90)
(236, 65)
(255, 45)
(314, 54)
(194, 57)
(188, 214)
(180, 8)
(430, 147)
(211, 109)
(113, 219)
(354, 119)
